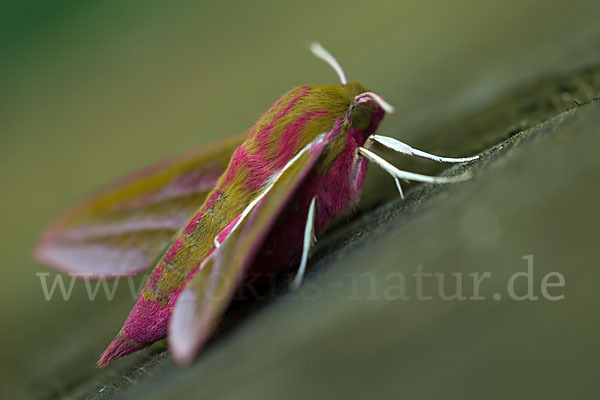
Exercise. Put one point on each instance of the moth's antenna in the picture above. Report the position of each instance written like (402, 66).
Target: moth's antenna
(323, 54)
(387, 107)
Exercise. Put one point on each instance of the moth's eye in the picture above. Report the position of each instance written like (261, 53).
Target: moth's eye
(360, 116)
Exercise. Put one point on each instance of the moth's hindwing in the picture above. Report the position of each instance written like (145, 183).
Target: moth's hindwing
(124, 228)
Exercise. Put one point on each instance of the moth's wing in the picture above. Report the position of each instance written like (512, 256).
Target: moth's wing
(208, 294)
(124, 228)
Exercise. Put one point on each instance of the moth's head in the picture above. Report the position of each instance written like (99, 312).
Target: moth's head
(365, 109)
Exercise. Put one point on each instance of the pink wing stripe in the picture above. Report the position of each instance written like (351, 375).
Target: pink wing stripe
(194, 182)
(225, 232)
(107, 261)
(124, 227)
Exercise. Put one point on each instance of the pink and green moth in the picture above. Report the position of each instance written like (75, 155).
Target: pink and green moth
(205, 220)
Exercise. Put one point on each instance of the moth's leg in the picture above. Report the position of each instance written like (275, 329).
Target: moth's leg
(403, 148)
(409, 176)
(399, 187)
(309, 239)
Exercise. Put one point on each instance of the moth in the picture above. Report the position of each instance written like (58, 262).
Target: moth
(209, 218)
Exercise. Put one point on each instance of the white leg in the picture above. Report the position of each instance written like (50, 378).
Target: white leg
(309, 237)
(411, 176)
(403, 148)
(399, 187)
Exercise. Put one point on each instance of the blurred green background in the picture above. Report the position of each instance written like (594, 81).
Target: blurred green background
(92, 90)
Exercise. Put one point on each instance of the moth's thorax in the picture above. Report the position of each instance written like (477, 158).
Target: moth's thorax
(301, 115)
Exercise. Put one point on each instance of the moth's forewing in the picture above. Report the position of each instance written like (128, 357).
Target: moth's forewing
(208, 294)
(124, 228)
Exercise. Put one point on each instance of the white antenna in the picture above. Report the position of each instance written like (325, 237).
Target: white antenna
(323, 54)
(387, 107)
